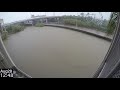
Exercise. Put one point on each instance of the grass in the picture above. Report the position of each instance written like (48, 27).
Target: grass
(87, 22)
(4, 35)
(112, 23)
(11, 30)
(14, 28)
(39, 25)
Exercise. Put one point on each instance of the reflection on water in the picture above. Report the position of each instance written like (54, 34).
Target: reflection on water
(56, 52)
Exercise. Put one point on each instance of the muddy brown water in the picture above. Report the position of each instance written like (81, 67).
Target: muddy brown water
(50, 52)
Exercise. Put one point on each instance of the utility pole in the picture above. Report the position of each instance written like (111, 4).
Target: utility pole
(87, 15)
(45, 13)
(101, 17)
(76, 20)
(53, 13)
(58, 20)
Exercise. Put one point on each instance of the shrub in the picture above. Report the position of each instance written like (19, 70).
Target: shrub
(112, 23)
(69, 21)
(4, 35)
(39, 25)
(14, 28)
(82, 22)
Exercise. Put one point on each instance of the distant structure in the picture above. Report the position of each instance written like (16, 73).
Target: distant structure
(29, 22)
(38, 16)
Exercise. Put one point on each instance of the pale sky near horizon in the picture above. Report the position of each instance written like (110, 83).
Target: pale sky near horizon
(15, 16)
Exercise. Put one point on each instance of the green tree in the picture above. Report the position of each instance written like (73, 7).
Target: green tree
(112, 23)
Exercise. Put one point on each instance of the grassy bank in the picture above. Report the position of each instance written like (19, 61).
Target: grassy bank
(14, 28)
(87, 22)
(39, 24)
(4, 35)
(11, 30)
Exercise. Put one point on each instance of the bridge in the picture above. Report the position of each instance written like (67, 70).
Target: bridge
(33, 21)
(109, 67)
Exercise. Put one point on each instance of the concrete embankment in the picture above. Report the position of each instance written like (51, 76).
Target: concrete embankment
(95, 33)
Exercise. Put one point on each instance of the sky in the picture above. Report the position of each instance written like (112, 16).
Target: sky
(15, 16)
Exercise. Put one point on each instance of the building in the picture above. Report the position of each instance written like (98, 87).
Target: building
(28, 22)
(38, 16)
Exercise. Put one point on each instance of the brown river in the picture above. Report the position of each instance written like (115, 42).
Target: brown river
(51, 52)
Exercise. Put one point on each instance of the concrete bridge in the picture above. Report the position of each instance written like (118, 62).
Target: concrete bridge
(109, 68)
(33, 21)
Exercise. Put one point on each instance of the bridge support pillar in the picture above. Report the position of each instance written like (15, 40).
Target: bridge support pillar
(46, 21)
(58, 20)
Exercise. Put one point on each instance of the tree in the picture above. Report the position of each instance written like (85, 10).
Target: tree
(112, 22)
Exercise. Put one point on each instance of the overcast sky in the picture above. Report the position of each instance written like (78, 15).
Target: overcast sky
(15, 16)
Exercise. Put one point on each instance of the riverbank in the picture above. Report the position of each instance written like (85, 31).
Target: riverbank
(12, 29)
(92, 32)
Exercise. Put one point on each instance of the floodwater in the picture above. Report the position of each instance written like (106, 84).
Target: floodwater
(51, 52)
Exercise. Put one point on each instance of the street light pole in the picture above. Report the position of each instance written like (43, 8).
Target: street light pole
(76, 20)
(45, 13)
(53, 13)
